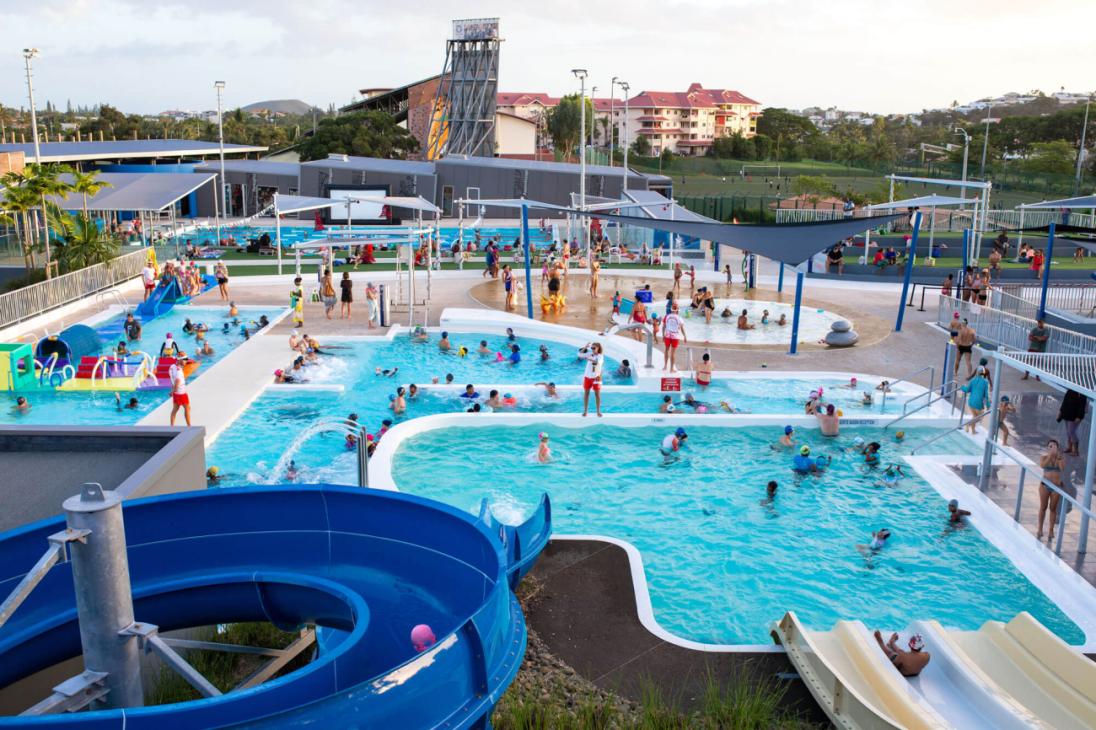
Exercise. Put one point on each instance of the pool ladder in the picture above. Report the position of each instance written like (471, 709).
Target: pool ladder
(949, 390)
(907, 378)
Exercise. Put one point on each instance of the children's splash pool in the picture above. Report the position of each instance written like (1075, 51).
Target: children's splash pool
(814, 323)
(720, 563)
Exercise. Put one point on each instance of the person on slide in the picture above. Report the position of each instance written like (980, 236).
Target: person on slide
(909, 663)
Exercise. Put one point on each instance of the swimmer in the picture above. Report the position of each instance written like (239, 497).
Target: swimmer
(422, 638)
(213, 475)
(398, 403)
(470, 392)
(188, 326)
(764, 316)
(852, 383)
(770, 493)
(955, 515)
(891, 475)
(783, 321)
(483, 349)
(726, 314)
(443, 343)
(205, 349)
(412, 392)
(385, 425)
(351, 439)
(232, 310)
(386, 372)
(871, 454)
(291, 472)
(510, 334)
(544, 452)
(814, 402)
(858, 445)
(884, 386)
(121, 350)
(672, 444)
(729, 408)
(899, 436)
(449, 378)
(419, 334)
(828, 422)
(625, 370)
(475, 408)
(493, 400)
(866, 399)
(802, 463)
(462, 351)
(787, 440)
(667, 405)
(878, 542)
(132, 404)
(744, 322)
(515, 354)
(549, 390)
(281, 376)
(692, 402)
(544, 356)
(22, 405)
(225, 328)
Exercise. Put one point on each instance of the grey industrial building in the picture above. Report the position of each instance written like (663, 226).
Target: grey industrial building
(442, 182)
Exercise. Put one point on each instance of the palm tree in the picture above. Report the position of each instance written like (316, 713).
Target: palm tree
(81, 242)
(20, 201)
(87, 183)
(45, 180)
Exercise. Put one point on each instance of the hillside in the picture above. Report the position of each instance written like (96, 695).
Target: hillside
(294, 107)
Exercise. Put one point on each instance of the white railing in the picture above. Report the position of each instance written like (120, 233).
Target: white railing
(1076, 299)
(1005, 329)
(30, 301)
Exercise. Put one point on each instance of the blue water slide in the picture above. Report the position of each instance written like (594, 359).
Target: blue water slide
(364, 566)
(523, 543)
(161, 300)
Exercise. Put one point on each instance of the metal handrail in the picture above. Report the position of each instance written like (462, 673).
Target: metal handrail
(952, 430)
(1024, 469)
(946, 394)
(906, 378)
(647, 334)
(1002, 328)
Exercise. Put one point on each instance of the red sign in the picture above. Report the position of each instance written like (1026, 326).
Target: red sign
(671, 384)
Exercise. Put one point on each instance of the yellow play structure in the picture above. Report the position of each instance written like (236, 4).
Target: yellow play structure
(17, 366)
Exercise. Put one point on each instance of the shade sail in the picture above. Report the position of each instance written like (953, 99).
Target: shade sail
(300, 203)
(130, 191)
(925, 201)
(1085, 201)
(511, 203)
(790, 243)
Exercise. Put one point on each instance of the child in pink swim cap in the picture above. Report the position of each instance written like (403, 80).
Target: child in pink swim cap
(422, 637)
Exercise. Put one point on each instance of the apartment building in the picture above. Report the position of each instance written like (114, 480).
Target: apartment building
(688, 122)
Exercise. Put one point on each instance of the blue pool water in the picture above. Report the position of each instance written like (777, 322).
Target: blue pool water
(720, 565)
(297, 234)
(49, 407)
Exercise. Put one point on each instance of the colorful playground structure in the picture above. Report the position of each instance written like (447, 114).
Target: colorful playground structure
(407, 603)
(1014, 675)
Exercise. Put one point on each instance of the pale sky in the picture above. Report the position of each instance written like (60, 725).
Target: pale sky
(878, 56)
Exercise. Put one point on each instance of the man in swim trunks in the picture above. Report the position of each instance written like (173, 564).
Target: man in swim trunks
(828, 422)
(591, 378)
(787, 440)
(673, 333)
(964, 342)
(703, 371)
(549, 389)
(909, 663)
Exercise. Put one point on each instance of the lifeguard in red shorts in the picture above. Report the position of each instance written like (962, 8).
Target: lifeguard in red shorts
(673, 333)
(591, 379)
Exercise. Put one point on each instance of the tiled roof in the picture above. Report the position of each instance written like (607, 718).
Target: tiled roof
(522, 98)
(696, 97)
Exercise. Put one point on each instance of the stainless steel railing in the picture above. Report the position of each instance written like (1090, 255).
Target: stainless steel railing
(30, 301)
(1004, 329)
(1076, 299)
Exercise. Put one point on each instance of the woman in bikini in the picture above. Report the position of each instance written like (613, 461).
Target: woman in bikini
(1052, 463)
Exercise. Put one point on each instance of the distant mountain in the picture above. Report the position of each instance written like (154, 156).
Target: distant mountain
(280, 106)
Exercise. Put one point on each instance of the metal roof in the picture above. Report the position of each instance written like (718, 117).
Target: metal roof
(509, 163)
(253, 167)
(373, 164)
(134, 191)
(1085, 201)
(123, 149)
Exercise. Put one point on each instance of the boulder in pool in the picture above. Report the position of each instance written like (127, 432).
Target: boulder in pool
(841, 334)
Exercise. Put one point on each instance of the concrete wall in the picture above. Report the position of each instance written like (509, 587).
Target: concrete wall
(47, 464)
(514, 135)
(284, 184)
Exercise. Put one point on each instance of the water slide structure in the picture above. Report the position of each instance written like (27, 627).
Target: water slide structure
(1002, 676)
(364, 567)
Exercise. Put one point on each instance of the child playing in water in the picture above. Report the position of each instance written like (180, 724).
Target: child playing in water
(1003, 410)
(544, 452)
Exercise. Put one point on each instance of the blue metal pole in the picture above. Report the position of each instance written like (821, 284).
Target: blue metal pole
(1046, 272)
(780, 278)
(753, 271)
(715, 252)
(810, 265)
(945, 377)
(528, 272)
(795, 312)
(910, 251)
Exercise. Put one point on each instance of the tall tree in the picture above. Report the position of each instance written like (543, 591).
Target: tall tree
(364, 134)
(86, 184)
(564, 122)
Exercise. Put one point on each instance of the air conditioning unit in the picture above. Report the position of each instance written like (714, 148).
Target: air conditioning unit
(338, 156)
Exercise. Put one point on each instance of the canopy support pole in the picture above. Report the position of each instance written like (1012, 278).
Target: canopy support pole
(1019, 242)
(780, 279)
(1046, 272)
(528, 271)
(991, 434)
(795, 312)
(278, 236)
(910, 251)
(1086, 498)
(932, 229)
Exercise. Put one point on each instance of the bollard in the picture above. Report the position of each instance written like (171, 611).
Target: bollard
(104, 602)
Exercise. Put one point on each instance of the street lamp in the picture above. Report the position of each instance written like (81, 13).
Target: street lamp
(593, 116)
(625, 87)
(29, 53)
(1081, 151)
(580, 74)
(612, 119)
(223, 210)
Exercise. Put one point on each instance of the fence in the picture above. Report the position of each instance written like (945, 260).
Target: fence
(1005, 329)
(30, 301)
(1022, 299)
(746, 208)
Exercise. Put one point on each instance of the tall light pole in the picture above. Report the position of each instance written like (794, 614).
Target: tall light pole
(29, 53)
(580, 73)
(985, 145)
(966, 151)
(612, 118)
(593, 116)
(220, 86)
(1081, 151)
(625, 87)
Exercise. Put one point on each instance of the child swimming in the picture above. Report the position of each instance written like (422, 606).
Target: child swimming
(544, 452)
(671, 445)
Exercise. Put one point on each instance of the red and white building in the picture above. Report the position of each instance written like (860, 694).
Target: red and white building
(684, 122)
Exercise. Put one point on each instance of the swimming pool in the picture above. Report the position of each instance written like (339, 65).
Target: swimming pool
(719, 564)
(49, 407)
(297, 234)
(814, 323)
